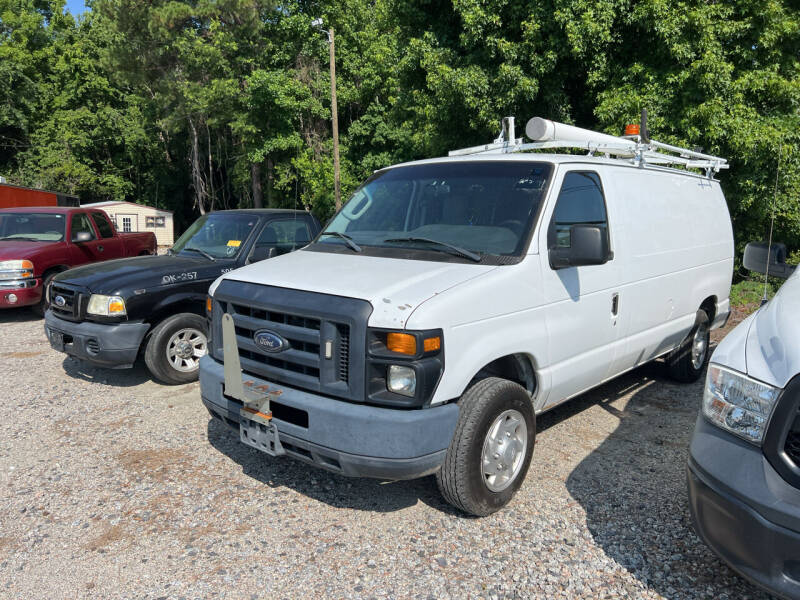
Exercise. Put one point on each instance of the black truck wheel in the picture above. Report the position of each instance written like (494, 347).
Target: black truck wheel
(175, 347)
(687, 361)
(491, 449)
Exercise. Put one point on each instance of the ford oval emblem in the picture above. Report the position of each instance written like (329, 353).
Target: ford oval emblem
(269, 341)
(59, 301)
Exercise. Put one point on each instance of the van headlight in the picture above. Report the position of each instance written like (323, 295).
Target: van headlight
(402, 380)
(738, 403)
(106, 306)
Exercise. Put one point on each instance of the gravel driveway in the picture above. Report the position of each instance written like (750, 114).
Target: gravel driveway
(114, 486)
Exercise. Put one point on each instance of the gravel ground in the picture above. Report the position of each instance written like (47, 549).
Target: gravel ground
(114, 486)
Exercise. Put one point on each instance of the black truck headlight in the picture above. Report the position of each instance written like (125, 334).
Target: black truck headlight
(106, 306)
(738, 403)
(403, 367)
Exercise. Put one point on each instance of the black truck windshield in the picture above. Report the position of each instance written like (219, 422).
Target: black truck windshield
(216, 236)
(32, 227)
(458, 208)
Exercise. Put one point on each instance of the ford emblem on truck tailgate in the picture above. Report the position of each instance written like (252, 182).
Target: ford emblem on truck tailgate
(269, 341)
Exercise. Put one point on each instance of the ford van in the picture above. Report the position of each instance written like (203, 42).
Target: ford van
(452, 300)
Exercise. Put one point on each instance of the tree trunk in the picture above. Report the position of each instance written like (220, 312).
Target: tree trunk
(255, 178)
(270, 181)
(197, 173)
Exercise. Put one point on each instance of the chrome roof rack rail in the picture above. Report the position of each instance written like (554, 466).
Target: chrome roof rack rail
(633, 149)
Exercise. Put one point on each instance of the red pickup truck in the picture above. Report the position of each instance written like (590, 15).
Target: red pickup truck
(36, 243)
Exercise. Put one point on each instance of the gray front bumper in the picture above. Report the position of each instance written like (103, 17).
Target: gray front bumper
(113, 345)
(348, 438)
(743, 510)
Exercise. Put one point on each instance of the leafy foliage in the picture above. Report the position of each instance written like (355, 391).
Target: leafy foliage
(195, 105)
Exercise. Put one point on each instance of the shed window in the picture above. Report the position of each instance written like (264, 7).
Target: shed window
(155, 221)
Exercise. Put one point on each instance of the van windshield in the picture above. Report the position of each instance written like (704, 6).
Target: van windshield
(457, 208)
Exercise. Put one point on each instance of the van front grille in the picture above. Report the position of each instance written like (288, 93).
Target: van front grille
(323, 337)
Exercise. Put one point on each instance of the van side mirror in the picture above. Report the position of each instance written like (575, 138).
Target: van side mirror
(82, 236)
(588, 246)
(759, 255)
(262, 253)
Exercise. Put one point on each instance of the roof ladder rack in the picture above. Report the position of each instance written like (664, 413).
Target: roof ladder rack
(633, 149)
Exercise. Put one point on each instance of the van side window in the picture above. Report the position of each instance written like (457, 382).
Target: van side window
(80, 222)
(580, 201)
(103, 226)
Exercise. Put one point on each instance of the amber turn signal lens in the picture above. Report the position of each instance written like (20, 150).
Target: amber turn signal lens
(116, 306)
(401, 343)
(208, 304)
(431, 344)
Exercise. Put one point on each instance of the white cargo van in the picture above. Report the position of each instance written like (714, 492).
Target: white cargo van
(452, 300)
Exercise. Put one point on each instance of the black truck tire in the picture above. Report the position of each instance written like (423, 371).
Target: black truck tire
(174, 348)
(493, 409)
(687, 361)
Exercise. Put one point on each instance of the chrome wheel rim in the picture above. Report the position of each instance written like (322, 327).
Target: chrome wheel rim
(504, 450)
(185, 348)
(700, 346)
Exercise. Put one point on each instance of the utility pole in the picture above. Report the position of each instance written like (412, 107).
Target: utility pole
(317, 24)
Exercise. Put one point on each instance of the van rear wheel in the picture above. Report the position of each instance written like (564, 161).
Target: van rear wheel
(687, 361)
(491, 449)
(175, 347)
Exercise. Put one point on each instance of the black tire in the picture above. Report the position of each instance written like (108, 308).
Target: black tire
(155, 353)
(461, 479)
(41, 307)
(682, 364)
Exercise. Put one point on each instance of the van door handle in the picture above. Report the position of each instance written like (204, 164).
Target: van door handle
(615, 304)
(99, 248)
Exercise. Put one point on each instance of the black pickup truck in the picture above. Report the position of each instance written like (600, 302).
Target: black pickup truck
(108, 313)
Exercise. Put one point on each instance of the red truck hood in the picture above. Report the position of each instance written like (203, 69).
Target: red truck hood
(11, 250)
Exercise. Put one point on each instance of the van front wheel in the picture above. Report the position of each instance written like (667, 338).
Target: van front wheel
(687, 361)
(491, 449)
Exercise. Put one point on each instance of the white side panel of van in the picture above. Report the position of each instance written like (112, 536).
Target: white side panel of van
(678, 251)
(497, 315)
(583, 331)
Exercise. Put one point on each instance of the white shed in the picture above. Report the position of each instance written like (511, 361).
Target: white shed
(129, 217)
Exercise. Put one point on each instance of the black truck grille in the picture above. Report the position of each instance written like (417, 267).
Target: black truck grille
(65, 301)
(321, 330)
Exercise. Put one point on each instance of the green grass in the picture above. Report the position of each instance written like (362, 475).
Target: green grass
(750, 292)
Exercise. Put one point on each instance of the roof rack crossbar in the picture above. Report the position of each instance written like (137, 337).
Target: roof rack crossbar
(629, 149)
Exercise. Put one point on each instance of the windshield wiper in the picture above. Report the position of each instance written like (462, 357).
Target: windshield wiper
(15, 238)
(347, 239)
(203, 252)
(453, 249)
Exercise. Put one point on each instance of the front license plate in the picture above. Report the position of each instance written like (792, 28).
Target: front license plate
(57, 340)
(259, 433)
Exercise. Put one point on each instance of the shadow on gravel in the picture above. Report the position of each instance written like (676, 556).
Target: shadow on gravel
(633, 487)
(332, 489)
(78, 369)
(19, 315)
